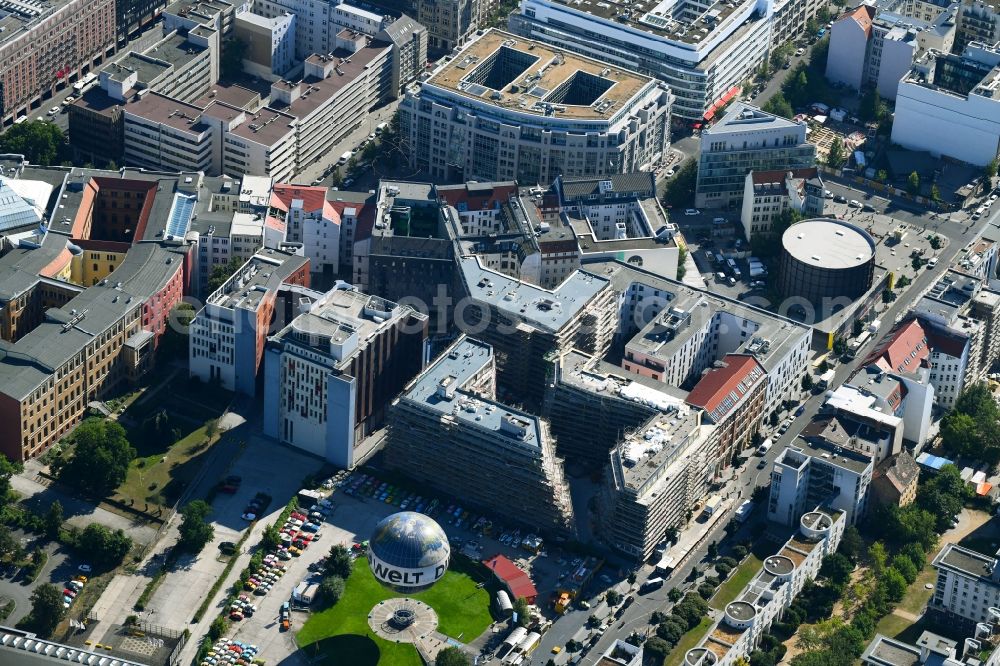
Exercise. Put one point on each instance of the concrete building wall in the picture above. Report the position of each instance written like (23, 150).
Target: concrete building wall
(848, 50)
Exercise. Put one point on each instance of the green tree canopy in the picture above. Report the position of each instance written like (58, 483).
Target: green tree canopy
(195, 530)
(53, 519)
(836, 157)
(103, 547)
(40, 142)
(451, 656)
(100, 458)
(339, 563)
(680, 189)
(46, 610)
(223, 272)
(913, 183)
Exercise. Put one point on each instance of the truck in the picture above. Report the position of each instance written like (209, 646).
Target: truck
(855, 345)
(84, 83)
(825, 380)
(712, 504)
(744, 511)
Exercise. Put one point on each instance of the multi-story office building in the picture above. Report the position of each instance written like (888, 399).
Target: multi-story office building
(747, 139)
(872, 48)
(957, 92)
(703, 52)
(311, 223)
(219, 15)
(447, 421)
(767, 194)
(329, 375)
(85, 300)
(967, 587)
(335, 93)
(270, 43)
(654, 477)
(507, 108)
(409, 51)
(131, 16)
(810, 473)
(978, 21)
(868, 420)
(226, 338)
(768, 594)
(47, 45)
(181, 66)
(732, 397)
(526, 324)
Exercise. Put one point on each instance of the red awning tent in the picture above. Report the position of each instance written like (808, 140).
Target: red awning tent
(518, 583)
(731, 93)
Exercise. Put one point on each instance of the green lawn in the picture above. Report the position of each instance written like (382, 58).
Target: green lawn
(341, 633)
(917, 595)
(160, 477)
(688, 641)
(738, 579)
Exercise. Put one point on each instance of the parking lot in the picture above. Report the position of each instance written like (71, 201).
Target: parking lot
(14, 585)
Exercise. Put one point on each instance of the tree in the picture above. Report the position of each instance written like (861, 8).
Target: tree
(785, 219)
(881, 175)
(991, 169)
(53, 519)
(779, 106)
(330, 590)
(680, 188)
(270, 538)
(904, 566)
(837, 568)
(339, 563)
(7, 470)
(8, 544)
(675, 594)
(46, 610)
(231, 62)
(713, 550)
(888, 295)
(671, 632)
(223, 272)
(807, 382)
(913, 183)
(100, 458)
(195, 531)
(102, 546)
(935, 193)
(836, 157)
(613, 597)
(40, 142)
(521, 610)
(682, 254)
(656, 649)
(878, 556)
(894, 583)
(451, 656)
(872, 107)
(959, 432)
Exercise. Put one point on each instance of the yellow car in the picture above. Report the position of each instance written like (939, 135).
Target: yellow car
(556, 650)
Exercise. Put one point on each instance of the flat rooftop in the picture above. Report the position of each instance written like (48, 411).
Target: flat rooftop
(237, 96)
(966, 562)
(848, 460)
(441, 389)
(643, 458)
(266, 127)
(521, 301)
(262, 273)
(828, 243)
(677, 20)
(531, 77)
(171, 112)
(598, 376)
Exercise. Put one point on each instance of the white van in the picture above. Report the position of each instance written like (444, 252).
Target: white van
(765, 446)
(381, 127)
(21, 119)
(346, 156)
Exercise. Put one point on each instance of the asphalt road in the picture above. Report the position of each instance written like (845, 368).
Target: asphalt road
(636, 618)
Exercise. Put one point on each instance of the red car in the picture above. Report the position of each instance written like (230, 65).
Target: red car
(69, 592)
(300, 516)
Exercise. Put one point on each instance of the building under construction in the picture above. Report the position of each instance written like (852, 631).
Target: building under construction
(448, 431)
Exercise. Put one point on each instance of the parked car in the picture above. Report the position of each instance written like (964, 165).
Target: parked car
(692, 211)
(85, 568)
(854, 203)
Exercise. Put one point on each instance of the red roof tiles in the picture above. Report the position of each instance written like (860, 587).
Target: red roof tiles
(720, 390)
(518, 582)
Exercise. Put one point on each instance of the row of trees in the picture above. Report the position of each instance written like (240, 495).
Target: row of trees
(686, 615)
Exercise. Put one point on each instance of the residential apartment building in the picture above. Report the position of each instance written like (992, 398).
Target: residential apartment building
(931, 648)
(131, 16)
(809, 473)
(526, 324)
(311, 223)
(967, 587)
(703, 52)
(765, 598)
(978, 21)
(654, 477)
(447, 421)
(449, 22)
(957, 92)
(226, 337)
(731, 395)
(47, 45)
(464, 122)
(767, 194)
(876, 48)
(330, 374)
(894, 481)
(747, 139)
(409, 51)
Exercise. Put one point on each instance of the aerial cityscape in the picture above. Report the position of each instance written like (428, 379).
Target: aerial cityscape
(514, 332)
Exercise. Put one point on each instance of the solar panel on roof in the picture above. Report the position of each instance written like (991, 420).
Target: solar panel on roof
(179, 220)
(475, 89)
(538, 91)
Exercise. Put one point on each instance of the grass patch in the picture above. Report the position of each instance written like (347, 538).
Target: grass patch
(687, 642)
(200, 613)
(152, 585)
(160, 477)
(6, 610)
(917, 595)
(738, 579)
(341, 634)
(892, 625)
